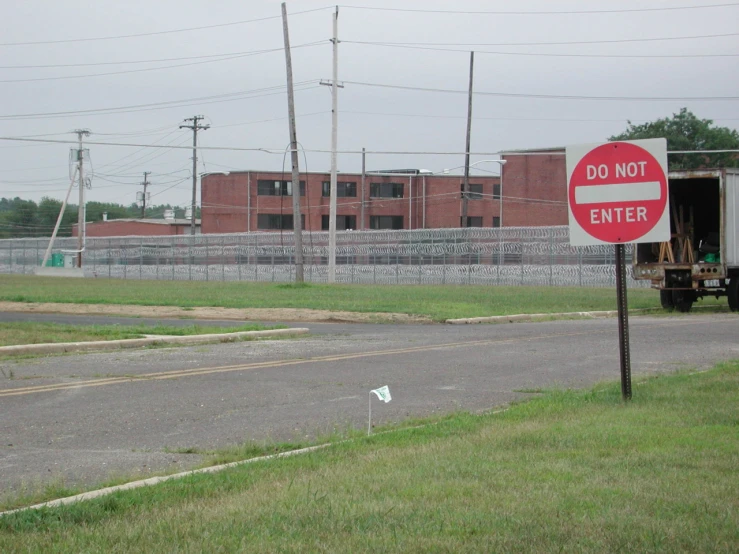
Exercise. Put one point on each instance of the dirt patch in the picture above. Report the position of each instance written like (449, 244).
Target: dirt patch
(236, 314)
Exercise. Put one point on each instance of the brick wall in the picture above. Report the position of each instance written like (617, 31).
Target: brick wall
(535, 189)
(115, 228)
(230, 202)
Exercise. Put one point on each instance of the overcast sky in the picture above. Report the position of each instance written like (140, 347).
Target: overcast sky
(46, 87)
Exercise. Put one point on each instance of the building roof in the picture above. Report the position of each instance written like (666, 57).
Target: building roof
(551, 150)
(180, 221)
(368, 173)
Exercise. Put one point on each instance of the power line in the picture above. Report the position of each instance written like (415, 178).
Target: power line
(155, 33)
(548, 96)
(159, 60)
(227, 97)
(537, 119)
(272, 119)
(530, 54)
(141, 70)
(559, 43)
(543, 12)
(281, 151)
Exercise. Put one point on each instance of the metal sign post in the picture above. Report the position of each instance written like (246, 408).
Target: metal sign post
(617, 193)
(623, 322)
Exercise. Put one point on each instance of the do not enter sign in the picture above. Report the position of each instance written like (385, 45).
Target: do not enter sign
(618, 193)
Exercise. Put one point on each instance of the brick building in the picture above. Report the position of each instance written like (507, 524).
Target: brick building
(535, 188)
(534, 194)
(137, 227)
(242, 201)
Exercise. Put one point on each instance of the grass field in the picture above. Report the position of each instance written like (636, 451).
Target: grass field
(37, 333)
(437, 302)
(567, 471)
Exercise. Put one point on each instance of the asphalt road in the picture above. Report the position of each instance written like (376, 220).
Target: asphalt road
(85, 418)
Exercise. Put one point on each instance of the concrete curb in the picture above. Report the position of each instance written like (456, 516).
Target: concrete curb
(530, 317)
(156, 480)
(62, 347)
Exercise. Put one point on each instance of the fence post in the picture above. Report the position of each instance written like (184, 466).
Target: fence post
(579, 263)
(469, 263)
(223, 258)
(189, 257)
(124, 251)
(11, 256)
(237, 258)
(522, 249)
(443, 266)
(207, 258)
(551, 255)
(110, 255)
(141, 259)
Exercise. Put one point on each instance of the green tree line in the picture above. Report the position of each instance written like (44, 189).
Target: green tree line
(26, 218)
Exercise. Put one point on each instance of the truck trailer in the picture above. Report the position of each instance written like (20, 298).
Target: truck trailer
(702, 256)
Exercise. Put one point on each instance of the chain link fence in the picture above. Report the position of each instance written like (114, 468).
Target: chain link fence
(476, 256)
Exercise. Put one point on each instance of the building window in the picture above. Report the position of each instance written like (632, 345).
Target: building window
(276, 221)
(343, 222)
(496, 192)
(474, 192)
(472, 222)
(386, 222)
(386, 190)
(277, 188)
(496, 221)
(343, 190)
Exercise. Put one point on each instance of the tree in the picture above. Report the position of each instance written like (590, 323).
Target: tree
(48, 212)
(22, 218)
(684, 131)
(94, 211)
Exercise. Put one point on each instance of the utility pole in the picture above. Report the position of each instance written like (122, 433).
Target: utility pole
(143, 197)
(334, 84)
(362, 225)
(195, 127)
(81, 210)
(334, 145)
(466, 182)
(297, 220)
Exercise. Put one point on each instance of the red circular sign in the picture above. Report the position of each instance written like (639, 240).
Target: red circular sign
(618, 192)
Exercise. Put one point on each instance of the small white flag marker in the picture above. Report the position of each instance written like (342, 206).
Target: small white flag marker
(383, 393)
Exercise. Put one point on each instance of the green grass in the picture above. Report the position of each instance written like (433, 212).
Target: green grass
(566, 471)
(436, 302)
(39, 333)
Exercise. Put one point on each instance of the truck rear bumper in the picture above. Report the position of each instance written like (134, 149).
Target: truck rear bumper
(670, 276)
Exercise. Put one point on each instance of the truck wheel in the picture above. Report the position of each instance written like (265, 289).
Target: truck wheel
(732, 292)
(683, 300)
(665, 298)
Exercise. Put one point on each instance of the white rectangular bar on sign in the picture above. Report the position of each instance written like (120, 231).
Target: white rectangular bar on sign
(621, 192)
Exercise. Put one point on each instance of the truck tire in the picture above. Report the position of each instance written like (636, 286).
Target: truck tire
(665, 298)
(732, 292)
(683, 300)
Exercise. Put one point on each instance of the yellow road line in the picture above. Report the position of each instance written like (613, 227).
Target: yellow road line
(174, 374)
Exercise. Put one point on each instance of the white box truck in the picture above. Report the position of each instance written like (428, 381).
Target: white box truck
(702, 256)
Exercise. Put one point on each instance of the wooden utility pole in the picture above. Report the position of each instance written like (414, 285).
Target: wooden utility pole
(195, 127)
(297, 220)
(334, 145)
(466, 182)
(143, 196)
(362, 223)
(81, 211)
